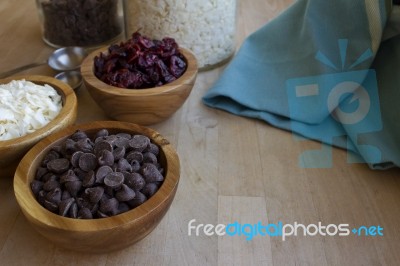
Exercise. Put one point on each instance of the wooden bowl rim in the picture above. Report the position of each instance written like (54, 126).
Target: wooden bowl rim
(92, 80)
(42, 216)
(69, 103)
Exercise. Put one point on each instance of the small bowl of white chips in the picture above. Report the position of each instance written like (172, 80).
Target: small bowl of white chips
(31, 108)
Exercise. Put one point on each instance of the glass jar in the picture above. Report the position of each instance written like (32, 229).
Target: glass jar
(86, 23)
(206, 27)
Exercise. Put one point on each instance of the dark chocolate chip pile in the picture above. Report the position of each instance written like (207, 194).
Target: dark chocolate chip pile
(80, 22)
(100, 177)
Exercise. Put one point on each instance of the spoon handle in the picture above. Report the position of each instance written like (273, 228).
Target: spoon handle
(19, 69)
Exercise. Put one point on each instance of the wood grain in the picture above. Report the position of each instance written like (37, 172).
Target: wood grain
(141, 106)
(213, 186)
(240, 250)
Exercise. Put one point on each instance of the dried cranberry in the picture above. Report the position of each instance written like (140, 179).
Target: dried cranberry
(177, 66)
(140, 63)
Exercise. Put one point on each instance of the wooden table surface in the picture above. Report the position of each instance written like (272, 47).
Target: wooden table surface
(233, 169)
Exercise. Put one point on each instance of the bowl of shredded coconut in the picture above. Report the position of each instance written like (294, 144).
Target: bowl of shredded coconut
(31, 108)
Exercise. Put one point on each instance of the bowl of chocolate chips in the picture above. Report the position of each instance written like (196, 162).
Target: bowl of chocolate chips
(97, 187)
(141, 80)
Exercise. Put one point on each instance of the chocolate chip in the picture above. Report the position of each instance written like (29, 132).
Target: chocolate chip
(123, 165)
(135, 181)
(57, 148)
(135, 166)
(51, 206)
(73, 210)
(94, 194)
(83, 203)
(114, 180)
(121, 142)
(54, 195)
(119, 153)
(41, 197)
(69, 176)
(124, 135)
(73, 187)
(89, 179)
(78, 135)
(68, 147)
(79, 173)
(52, 155)
(102, 172)
(51, 185)
(123, 207)
(101, 133)
(102, 145)
(125, 193)
(75, 158)
(109, 192)
(106, 158)
(85, 213)
(84, 145)
(58, 166)
(139, 142)
(49, 176)
(153, 148)
(150, 173)
(65, 195)
(109, 206)
(95, 208)
(64, 206)
(40, 172)
(87, 162)
(139, 199)
(149, 157)
(111, 139)
(134, 156)
(149, 189)
(36, 187)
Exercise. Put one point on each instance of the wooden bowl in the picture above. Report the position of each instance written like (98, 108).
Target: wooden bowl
(102, 234)
(11, 151)
(141, 106)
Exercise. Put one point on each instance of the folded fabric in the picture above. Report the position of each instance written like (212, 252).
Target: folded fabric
(321, 70)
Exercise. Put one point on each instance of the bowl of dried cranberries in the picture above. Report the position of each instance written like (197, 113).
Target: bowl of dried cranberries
(141, 80)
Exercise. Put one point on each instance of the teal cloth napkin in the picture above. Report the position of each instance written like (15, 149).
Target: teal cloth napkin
(326, 70)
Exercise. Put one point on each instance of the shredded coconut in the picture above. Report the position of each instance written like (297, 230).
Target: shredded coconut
(26, 107)
(206, 27)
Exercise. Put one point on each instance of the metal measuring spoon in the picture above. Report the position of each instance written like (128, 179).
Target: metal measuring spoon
(62, 59)
(72, 78)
